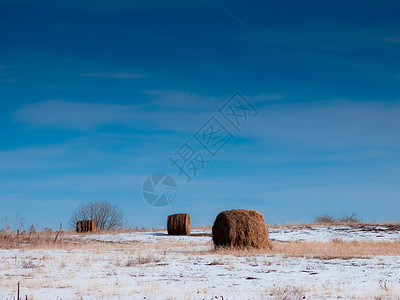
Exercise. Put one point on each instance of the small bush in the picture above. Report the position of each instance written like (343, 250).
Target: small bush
(327, 219)
(105, 215)
(349, 219)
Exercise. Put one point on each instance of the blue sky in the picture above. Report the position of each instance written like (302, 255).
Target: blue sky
(96, 96)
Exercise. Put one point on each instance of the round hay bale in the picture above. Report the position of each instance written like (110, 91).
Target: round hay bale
(241, 229)
(178, 224)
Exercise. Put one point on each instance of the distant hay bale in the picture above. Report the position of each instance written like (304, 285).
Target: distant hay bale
(240, 228)
(178, 224)
(86, 226)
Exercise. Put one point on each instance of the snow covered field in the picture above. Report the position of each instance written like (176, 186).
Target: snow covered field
(152, 265)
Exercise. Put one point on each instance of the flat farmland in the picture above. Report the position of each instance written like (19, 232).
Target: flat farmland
(360, 261)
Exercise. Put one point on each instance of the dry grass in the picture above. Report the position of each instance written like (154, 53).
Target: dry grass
(324, 250)
(146, 257)
(391, 225)
(9, 240)
(49, 239)
(286, 293)
(337, 248)
(142, 260)
(69, 240)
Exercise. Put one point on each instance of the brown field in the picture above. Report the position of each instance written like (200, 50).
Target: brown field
(335, 248)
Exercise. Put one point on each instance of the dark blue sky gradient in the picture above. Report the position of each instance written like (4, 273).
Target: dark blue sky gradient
(97, 95)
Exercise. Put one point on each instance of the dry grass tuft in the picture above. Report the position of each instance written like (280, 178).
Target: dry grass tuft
(142, 260)
(286, 293)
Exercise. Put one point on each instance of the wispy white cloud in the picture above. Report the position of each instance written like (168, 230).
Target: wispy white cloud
(326, 45)
(4, 76)
(3, 67)
(74, 115)
(168, 110)
(115, 75)
(182, 100)
(195, 103)
(265, 98)
(35, 157)
(392, 39)
(335, 124)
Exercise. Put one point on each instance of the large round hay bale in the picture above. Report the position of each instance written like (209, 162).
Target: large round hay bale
(178, 224)
(240, 228)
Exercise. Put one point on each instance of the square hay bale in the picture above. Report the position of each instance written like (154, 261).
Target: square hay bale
(85, 226)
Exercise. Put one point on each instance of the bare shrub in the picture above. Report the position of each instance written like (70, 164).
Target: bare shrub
(106, 215)
(14, 225)
(349, 219)
(327, 219)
